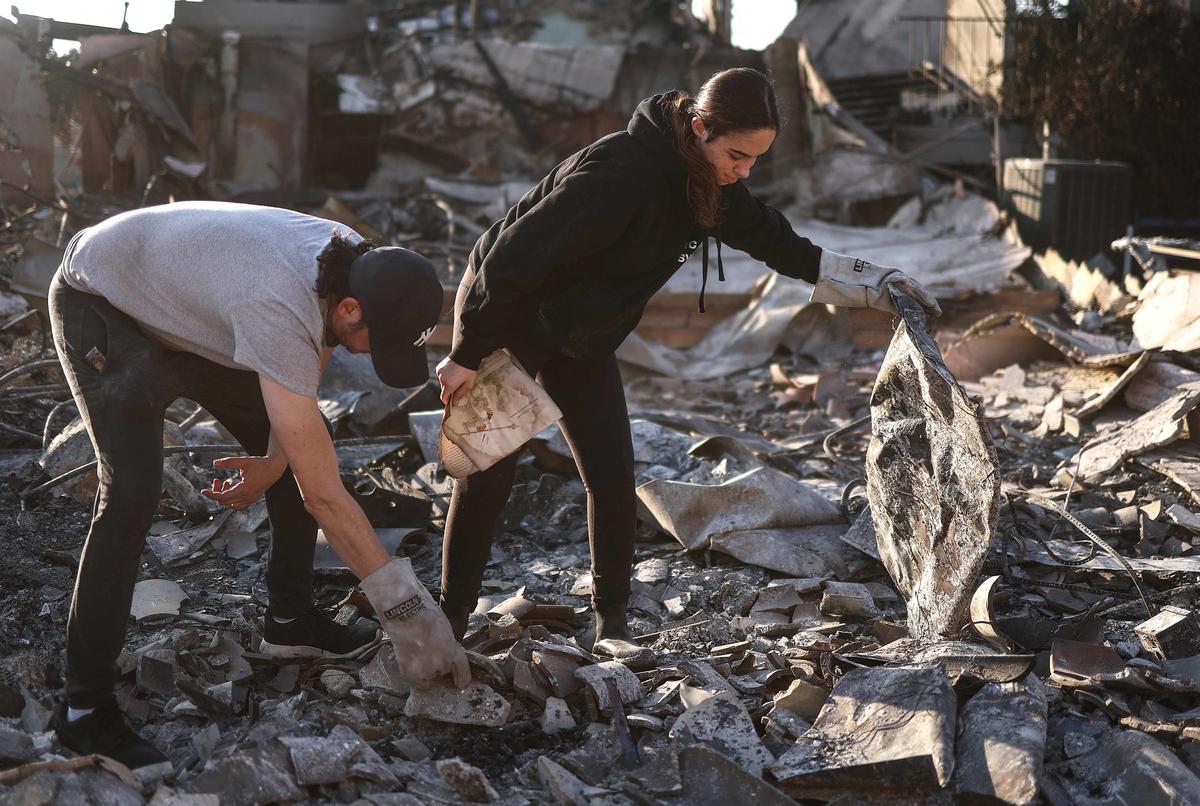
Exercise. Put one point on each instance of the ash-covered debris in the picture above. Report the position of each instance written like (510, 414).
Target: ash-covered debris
(1012, 619)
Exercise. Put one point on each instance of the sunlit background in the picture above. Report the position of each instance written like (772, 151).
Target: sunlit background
(756, 23)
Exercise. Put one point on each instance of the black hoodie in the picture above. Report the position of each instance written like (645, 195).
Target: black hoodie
(574, 262)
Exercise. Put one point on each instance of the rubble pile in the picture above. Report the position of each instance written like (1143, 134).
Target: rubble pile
(899, 561)
(1025, 616)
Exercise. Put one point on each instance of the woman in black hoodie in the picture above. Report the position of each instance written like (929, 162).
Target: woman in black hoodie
(565, 276)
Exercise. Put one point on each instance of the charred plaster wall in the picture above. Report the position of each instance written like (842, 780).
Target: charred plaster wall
(26, 140)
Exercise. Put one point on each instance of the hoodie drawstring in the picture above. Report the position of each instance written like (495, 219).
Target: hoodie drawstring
(704, 268)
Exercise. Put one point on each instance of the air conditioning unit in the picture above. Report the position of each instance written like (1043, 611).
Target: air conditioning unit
(1075, 206)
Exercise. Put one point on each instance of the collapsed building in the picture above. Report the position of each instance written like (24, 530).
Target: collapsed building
(890, 560)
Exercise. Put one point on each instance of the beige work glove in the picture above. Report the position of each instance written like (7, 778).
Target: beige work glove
(424, 644)
(856, 283)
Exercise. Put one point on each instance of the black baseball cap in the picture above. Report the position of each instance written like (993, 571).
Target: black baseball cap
(401, 301)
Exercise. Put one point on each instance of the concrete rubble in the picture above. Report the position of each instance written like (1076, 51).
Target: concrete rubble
(878, 558)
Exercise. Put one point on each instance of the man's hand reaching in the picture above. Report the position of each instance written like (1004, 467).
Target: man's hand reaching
(256, 475)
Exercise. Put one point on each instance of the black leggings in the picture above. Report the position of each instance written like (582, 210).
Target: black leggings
(595, 423)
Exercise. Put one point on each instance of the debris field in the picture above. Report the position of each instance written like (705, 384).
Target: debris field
(879, 559)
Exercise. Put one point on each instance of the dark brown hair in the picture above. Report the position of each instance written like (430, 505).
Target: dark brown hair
(736, 100)
(333, 266)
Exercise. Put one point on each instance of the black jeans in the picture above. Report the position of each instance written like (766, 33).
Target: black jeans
(123, 391)
(595, 423)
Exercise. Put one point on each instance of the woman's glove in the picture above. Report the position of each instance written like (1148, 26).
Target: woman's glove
(421, 637)
(856, 283)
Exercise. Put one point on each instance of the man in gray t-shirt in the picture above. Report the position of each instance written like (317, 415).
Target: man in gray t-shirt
(238, 308)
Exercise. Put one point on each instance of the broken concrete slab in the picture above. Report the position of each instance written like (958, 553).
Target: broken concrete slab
(249, 777)
(762, 498)
(477, 704)
(709, 778)
(322, 760)
(337, 682)
(564, 786)
(1129, 768)
(594, 677)
(847, 599)
(1001, 743)
(557, 716)
(883, 730)
(803, 699)
(156, 671)
(165, 796)
(16, 748)
(722, 723)
(154, 598)
(467, 781)
(929, 447)
(383, 672)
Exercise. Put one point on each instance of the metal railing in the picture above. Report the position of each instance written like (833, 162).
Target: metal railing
(963, 58)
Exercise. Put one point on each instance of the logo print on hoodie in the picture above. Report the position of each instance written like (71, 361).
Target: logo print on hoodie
(687, 253)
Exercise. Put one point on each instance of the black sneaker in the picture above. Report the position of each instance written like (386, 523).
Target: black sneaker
(104, 731)
(315, 635)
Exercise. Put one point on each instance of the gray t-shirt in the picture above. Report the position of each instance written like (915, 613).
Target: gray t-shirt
(230, 282)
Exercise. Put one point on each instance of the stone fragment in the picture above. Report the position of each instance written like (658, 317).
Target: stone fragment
(477, 704)
(413, 749)
(652, 571)
(722, 723)
(156, 671)
(847, 599)
(777, 598)
(249, 777)
(883, 729)
(383, 672)
(1002, 739)
(659, 775)
(321, 760)
(557, 716)
(710, 778)
(467, 781)
(241, 545)
(181, 543)
(1173, 633)
(35, 717)
(16, 747)
(706, 677)
(803, 699)
(337, 682)
(566, 789)
(629, 687)
(156, 597)
(1131, 769)
(206, 741)
(1076, 744)
(165, 796)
